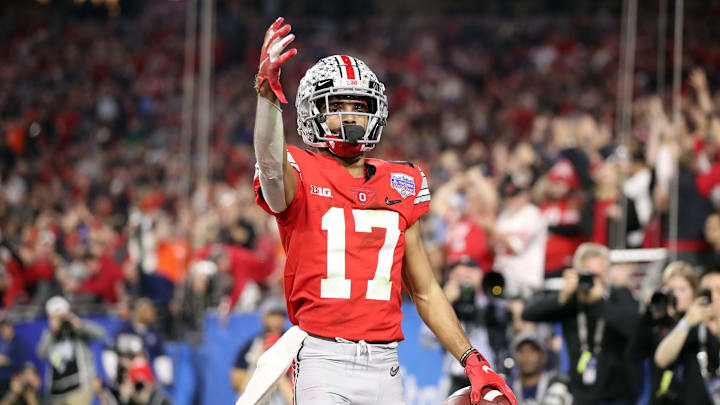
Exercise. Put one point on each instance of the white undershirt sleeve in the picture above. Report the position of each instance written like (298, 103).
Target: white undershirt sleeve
(269, 143)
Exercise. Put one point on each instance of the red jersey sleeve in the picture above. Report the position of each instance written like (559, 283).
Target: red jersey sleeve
(422, 196)
(292, 208)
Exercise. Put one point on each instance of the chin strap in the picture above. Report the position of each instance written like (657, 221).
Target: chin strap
(343, 157)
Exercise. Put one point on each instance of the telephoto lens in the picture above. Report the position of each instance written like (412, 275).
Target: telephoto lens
(661, 300)
(586, 281)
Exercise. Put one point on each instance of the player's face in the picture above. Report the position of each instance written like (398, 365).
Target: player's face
(347, 106)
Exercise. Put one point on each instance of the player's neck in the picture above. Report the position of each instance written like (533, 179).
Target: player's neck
(355, 165)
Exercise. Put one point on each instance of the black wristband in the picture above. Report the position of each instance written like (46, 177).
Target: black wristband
(469, 352)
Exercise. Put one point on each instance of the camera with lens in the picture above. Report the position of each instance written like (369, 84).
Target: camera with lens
(707, 294)
(496, 314)
(660, 301)
(27, 386)
(493, 285)
(66, 328)
(585, 281)
(464, 306)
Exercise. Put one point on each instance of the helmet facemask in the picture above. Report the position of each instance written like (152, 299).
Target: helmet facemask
(318, 87)
(355, 138)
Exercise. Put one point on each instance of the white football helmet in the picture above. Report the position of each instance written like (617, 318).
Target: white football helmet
(339, 75)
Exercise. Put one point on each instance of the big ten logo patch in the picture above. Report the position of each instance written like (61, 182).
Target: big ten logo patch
(362, 195)
(321, 191)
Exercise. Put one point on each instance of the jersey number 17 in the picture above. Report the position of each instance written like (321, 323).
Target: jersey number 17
(336, 285)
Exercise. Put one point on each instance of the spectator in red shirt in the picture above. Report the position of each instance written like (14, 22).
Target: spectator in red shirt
(465, 203)
(102, 283)
(563, 209)
(607, 211)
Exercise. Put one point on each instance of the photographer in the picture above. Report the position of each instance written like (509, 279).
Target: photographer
(483, 317)
(137, 387)
(66, 347)
(666, 306)
(597, 320)
(24, 388)
(690, 350)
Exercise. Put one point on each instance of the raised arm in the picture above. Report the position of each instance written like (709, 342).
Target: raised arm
(277, 179)
(672, 344)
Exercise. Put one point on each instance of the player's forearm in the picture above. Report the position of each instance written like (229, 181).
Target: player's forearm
(269, 143)
(440, 317)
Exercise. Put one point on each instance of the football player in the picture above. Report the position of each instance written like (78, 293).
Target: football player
(349, 226)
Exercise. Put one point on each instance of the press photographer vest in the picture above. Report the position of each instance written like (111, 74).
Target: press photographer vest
(65, 373)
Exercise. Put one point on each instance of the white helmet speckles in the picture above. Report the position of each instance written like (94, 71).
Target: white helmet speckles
(339, 75)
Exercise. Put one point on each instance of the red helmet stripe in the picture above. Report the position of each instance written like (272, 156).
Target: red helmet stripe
(349, 71)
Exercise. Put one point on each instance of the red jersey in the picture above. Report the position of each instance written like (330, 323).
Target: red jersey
(345, 239)
(560, 248)
(466, 238)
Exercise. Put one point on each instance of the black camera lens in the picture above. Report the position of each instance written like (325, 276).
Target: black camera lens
(660, 298)
(586, 282)
(464, 306)
(66, 328)
(660, 301)
(707, 294)
(493, 284)
(467, 292)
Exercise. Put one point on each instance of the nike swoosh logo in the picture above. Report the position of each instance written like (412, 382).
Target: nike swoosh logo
(394, 371)
(391, 202)
(486, 369)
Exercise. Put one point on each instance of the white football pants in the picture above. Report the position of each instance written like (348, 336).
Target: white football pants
(346, 373)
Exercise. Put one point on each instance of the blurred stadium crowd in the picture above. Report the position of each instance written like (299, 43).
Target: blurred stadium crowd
(510, 115)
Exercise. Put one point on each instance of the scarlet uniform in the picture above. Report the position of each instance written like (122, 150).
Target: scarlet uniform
(345, 239)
